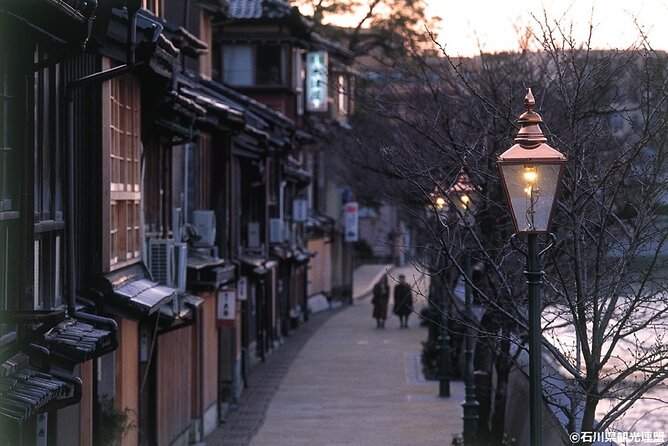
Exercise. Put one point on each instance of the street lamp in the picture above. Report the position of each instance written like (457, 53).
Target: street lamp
(531, 174)
(463, 195)
(440, 204)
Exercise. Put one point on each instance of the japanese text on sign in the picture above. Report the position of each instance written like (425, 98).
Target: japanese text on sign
(316, 81)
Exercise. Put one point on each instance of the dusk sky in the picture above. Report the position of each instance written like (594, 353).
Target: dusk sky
(493, 23)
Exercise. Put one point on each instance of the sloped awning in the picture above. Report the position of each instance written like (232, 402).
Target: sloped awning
(113, 43)
(258, 264)
(145, 295)
(68, 339)
(60, 21)
(322, 221)
(128, 292)
(281, 253)
(205, 271)
(302, 255)
(38, 374)
(296, 173)
(200, 260)
(29, 391)
(219, 110)
(297, 255)
(180, 313)
(77, 341)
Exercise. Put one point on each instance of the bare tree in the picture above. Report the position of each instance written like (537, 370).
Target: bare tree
(390, 28)
(606, 275)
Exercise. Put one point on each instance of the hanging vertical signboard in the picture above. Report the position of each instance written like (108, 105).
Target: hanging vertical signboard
(299, 208)
(351, 221)
(241, 288)
(316, 81)
(227, 310)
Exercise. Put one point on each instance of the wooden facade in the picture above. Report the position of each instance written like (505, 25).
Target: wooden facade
(173, 381)
(127, 378)
(122, 146)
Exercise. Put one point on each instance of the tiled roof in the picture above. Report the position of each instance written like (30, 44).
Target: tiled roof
(145, 295)
(213, 104)
(25, 392)
(254, 109)
(76, 340)
(244, 9)
(257, 9)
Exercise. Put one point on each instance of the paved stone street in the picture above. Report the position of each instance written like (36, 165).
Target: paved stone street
(341, 381)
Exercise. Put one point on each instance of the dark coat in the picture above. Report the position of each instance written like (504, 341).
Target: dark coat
(381, 297)
(403, 300)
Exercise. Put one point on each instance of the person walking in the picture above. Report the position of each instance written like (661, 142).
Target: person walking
(403, 301)
(381, 297)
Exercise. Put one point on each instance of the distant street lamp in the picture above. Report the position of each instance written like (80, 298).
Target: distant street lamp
(438, 200)
(531, 174)
(462, 194)
(440, 204)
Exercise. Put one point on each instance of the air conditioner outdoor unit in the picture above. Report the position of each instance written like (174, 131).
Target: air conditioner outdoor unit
(161, 260)
(167, 262)
(205, 225)
(275, 230)
(253, 235)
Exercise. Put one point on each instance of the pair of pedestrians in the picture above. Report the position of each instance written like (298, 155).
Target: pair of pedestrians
(403, 301)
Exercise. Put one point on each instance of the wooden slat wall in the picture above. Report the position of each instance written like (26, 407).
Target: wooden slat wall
(196, 361)
(174, 377)
(205, 337)
(320, 267)
(127, 376)
(210, 351)
(86, 426)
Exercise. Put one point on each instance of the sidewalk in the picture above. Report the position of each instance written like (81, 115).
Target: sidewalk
(348, 383)
(365, 276)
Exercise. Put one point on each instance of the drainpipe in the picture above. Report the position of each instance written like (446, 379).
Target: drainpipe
(94, 78)
(281, 198)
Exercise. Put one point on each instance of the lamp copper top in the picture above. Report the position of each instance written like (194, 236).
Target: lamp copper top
(530, 135)
(530, 143)
(462, 183)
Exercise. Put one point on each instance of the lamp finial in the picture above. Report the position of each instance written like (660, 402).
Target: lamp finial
(529, 101)
(530, 135)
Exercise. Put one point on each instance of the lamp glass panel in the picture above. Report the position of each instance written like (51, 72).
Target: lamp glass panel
(531, 190)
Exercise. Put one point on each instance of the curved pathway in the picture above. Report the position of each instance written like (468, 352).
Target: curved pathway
(353, 384)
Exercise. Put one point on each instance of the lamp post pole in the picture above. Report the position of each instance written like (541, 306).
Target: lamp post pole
(464, 194)
(470, 403)
(531, 174)
(534, 279)
(438, 326)
(433, 303)
(444, 352)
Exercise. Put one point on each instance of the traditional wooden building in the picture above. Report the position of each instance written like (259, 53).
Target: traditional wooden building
(156, 196)
(47, 329)
(268, 51)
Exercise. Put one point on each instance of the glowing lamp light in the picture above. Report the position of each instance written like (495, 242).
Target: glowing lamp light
(464, 191)
(465, 201)
(531, 174)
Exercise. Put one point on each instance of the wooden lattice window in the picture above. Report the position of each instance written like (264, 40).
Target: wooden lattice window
(125, 177)
(48, 177)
